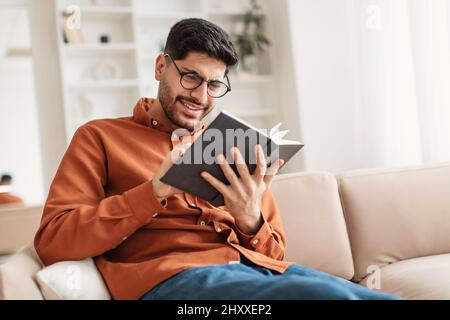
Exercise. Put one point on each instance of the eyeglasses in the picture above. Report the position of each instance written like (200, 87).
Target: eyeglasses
(192, 80)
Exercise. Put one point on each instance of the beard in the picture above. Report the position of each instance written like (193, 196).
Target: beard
(174, 109)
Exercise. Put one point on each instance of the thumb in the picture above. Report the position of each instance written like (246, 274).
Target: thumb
(171, 158)
(177, 152)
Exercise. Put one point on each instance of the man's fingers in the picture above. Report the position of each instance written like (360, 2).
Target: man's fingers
(241, 165)
(217, 184)
(272, 171)
(228, 172)
(172, 157)
(261, 165)
(178, 151)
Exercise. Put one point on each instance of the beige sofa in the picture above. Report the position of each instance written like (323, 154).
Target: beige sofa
(387, 229)
(18, 225)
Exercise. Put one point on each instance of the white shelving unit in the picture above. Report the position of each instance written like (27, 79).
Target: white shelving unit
(90, 48)
(108, 11)
(100, 79)
(106, 79)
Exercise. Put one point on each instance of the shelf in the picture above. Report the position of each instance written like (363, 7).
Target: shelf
(104, 11)
(18, 52)
(104, 84)
(232, 13)
(90, 48)
(170, 15)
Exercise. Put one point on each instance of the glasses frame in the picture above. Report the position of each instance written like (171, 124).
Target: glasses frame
(182, 74)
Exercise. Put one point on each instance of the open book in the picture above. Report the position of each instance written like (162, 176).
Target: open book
(225, 132)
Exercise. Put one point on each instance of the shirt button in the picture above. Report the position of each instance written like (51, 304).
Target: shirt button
(155, 215)
(124, 238)
(218, 229)
(202, 223)
(255, 242)
(154, 122)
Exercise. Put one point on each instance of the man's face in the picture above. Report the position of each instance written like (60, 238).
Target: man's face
(185, 108)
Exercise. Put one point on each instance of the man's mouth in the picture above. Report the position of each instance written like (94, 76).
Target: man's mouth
(191, 110)
(191, 106)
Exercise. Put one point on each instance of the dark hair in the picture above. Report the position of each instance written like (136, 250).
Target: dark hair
(6, 178)
(203, 36)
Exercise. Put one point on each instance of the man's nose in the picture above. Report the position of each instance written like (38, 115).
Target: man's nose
(201, 93)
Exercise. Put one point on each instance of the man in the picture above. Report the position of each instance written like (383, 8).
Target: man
(6, 197)
(152, 241)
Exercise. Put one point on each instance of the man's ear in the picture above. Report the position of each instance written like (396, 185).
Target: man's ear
(160, 66)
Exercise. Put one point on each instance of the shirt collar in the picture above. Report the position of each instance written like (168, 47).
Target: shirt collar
(142, 116)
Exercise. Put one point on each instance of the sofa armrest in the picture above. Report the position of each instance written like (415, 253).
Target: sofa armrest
(17, 276)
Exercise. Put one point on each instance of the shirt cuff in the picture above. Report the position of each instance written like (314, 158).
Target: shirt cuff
(143, 202)
(258, 240)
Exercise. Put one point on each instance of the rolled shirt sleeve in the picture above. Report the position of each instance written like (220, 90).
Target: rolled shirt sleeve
(78, 220)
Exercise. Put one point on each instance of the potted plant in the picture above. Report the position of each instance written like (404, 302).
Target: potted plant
(250, 39)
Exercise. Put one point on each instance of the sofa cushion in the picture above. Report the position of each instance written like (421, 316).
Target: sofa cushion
(397, 214)
(17, 276)
(72, 280)
(419, 278)
(314, 223)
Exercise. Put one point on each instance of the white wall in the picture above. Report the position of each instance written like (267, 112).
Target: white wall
(321, 44)
(47, 77)
(372, 79)
(19, 133)
(287, 98)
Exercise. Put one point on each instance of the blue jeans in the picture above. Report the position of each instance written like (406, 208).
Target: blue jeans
(247, 281)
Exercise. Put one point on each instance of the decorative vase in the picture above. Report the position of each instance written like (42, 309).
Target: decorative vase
(250, 64)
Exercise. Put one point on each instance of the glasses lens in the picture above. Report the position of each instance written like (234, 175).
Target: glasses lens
(191, 81)
(217, 89)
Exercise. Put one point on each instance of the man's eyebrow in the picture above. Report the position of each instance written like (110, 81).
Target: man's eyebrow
(190, 70)
(198, 74)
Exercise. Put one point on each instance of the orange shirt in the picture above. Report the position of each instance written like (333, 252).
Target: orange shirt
(101, 204)
(8, 198)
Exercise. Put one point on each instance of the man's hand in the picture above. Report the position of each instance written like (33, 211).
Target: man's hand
(243, 195)
(160, 189)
